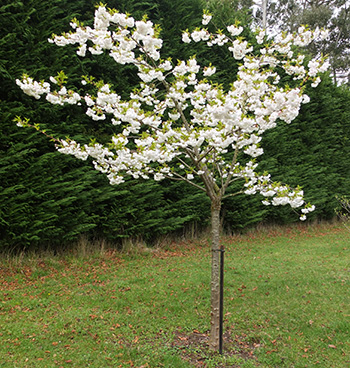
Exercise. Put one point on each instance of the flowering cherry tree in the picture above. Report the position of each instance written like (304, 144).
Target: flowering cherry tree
(178, 123)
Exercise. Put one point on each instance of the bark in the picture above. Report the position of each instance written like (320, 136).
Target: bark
(215, 275)
(334, 76)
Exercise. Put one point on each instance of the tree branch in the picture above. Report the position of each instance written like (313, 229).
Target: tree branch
(182, 178)
(233, 194)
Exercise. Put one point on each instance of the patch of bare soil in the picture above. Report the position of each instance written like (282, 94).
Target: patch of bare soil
(194, 348)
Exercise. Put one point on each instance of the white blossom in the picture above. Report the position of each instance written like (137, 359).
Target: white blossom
(316, 82)
(209, 71)
(240, 49)
(82, 50)
(206, 19)
(235, 31)
(53, 80)
(176, 115)
(260, 37)
(200, 35)
(186, 37)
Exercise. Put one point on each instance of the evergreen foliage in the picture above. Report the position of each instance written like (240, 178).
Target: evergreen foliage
(49, 199)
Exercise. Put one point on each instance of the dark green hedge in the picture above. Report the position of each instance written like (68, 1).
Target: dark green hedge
(49, 199)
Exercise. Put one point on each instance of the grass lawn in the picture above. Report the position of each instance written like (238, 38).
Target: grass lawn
(287, 304)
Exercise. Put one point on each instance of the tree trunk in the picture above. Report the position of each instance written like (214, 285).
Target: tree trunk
(215, 275)
(334, 76)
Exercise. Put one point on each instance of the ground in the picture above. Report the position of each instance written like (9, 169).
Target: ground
(194, 348)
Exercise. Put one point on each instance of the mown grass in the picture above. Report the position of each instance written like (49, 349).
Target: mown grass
(287, 304)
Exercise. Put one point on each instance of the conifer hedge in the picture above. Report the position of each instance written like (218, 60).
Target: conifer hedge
(48, 199)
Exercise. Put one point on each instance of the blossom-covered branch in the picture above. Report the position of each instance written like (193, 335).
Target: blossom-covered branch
(177, 114)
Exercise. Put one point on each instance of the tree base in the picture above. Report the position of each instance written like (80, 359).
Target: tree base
(194, 347)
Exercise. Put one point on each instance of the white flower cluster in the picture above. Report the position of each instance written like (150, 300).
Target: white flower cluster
(33, 88)
(63, 96)
(234, 30)
(127, 36)
(197, 35)
(206, 19)
(240, 49)
(189, 120)
(72, 148)
(260, 36)
(37, 89)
